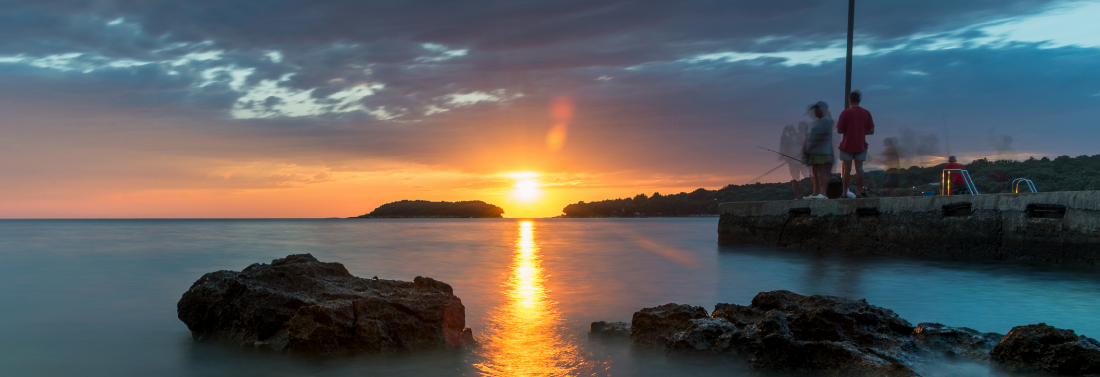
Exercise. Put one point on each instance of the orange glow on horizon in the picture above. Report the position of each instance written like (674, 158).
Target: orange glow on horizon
(229, 188)
(527, 199)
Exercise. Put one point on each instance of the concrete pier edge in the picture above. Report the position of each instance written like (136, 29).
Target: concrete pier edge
(1046, 227)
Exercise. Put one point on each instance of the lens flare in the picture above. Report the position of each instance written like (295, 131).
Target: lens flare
(561, 111)
(555, 138)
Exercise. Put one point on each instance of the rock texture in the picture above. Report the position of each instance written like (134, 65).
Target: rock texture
(835, 336)
(956, 342)
(789, 332)
(300, 305)
(613, 330)
(653, 326)
(1043, 348)
(800, 334)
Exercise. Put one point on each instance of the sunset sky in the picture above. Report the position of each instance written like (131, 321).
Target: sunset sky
(164, 109)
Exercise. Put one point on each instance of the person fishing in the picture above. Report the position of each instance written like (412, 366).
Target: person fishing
(804, 131)
(817, 151)
(790, 143)
(855, 124)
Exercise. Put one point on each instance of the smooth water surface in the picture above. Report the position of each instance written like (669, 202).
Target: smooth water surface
(98, 297)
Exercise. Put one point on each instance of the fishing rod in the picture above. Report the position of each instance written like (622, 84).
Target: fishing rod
(769, 172)
(800, 161)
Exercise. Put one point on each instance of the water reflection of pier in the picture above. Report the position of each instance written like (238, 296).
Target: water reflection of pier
(526, 337)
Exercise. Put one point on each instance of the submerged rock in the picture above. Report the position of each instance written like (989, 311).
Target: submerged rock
(300, 305)
(613, 330)
(956, 342)
(1044, 348)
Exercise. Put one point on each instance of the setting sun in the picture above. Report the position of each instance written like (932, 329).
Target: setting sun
(526, 189)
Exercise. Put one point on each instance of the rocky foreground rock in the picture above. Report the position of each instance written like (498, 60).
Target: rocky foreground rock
(1043, 348)
(788, 332)
(300, 305)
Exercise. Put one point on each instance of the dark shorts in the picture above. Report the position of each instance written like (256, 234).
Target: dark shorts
(819, 159)
(893, 180)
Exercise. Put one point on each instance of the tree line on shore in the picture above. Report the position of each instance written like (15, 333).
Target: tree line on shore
(1063, 173)
(428, 209)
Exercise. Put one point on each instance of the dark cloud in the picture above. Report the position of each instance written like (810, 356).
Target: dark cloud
(642, 105)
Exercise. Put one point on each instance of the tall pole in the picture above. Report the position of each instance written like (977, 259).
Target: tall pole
(848, 69)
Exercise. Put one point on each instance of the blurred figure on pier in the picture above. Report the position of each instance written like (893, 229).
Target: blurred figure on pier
(818, 149)
(855, 124)
(893, 166)
(957, 182)
(1003, 145)
(804, 130)
(790, 144)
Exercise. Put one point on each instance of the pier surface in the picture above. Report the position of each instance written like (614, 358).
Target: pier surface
(1047, 227)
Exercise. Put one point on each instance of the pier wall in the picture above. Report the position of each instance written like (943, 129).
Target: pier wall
(1047, 227)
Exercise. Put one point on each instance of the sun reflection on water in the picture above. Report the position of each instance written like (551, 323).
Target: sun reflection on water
(526, 339)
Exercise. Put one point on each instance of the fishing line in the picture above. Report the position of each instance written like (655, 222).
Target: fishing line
(800, 161)
(769, 172)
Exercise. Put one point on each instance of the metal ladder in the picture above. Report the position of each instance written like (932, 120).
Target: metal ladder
(945, 181)
(1016, 184)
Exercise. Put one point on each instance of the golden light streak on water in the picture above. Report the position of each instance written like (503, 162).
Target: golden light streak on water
(527, 337)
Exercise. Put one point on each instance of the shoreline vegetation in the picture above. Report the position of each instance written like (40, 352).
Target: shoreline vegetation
(416, 209)
(1063, 173)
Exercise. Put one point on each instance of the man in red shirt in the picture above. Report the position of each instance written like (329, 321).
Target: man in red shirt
(855, 124)
(958, 184)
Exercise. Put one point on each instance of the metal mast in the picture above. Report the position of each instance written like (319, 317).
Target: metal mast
(848, 69)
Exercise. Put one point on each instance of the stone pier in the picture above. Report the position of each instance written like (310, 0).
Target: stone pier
(1047, 227)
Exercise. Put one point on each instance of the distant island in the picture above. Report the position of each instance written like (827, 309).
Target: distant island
(1063, 173)
(427, 209)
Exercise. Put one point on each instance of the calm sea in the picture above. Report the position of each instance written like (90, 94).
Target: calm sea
(98, 297)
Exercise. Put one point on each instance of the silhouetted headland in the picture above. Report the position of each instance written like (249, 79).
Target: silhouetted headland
(427, 209)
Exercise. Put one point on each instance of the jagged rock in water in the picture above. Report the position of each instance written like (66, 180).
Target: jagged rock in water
(705, 336)
(830, 318)
(789, 332)
(738, 315)
(300, 305)
(613, 330)
(1044, 348)
(827, 335)
(653, 326)
(810, 333)
(956, 342)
